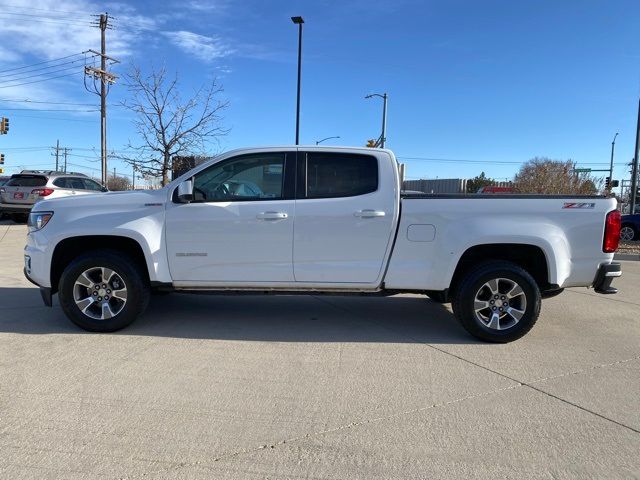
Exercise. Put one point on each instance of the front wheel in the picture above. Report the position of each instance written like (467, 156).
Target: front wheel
(497, 302)
(103, 291)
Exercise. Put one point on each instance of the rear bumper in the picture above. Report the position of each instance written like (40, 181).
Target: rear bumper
(15, 207)
(604, 277)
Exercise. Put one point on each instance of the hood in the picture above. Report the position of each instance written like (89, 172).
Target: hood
(100, 201)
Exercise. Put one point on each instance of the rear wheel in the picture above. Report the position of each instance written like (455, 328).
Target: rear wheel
(103, 291)
(497, 302)
(627, 233)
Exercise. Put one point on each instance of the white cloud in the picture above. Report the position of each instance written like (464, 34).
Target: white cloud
(202, 47)
(35, 31)
(54, 28)
(206, 5)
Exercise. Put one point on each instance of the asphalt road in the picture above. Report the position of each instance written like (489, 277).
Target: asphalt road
(251, 387)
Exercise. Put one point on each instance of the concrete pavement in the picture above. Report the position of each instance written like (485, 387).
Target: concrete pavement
(316, 387)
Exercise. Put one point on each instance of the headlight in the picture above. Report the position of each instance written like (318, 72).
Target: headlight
(37, 220)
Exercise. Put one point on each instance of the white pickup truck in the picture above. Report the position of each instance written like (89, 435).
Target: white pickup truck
(320, 220)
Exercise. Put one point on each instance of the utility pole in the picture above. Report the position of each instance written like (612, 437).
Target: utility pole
(66, 150)
(57, 153)
(133, 176)
(634, 176)
(613, 146)
(105, 79)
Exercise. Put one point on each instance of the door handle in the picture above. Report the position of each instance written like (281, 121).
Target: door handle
(369, 213)
(272, 216)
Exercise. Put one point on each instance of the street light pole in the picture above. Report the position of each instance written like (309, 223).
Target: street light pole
(634, 176)
(613, 146)
(328, 138)
(384, 97)
(298, 21)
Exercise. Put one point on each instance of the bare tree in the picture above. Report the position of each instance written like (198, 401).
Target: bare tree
(167, 124)
(117, 183)
(554, 177)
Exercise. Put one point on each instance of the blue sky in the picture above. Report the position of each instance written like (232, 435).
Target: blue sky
(476, 85)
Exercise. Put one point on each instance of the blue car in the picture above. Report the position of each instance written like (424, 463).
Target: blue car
(630, 227)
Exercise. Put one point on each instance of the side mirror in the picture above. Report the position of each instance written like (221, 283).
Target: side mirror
(185, 191)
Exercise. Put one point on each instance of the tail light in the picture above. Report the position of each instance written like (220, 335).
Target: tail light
(612, 231)
(43, 192)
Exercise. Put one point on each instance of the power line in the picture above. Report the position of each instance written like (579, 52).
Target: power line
(40, 15)
(6, 5)
(37, 81)
(53, 118)
(42, 63)
(27, 77)
(26, 100)
(46, 20)
(37, 69)
(491, 162)
(52, 109)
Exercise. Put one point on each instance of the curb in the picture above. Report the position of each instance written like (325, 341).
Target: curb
(627, 256)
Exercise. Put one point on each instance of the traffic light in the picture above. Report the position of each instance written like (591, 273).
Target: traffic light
(607, 183)
(372, 143)
(1, 158)
(615, 183)
(4, 126)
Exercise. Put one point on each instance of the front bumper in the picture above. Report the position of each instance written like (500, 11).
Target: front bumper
(604, 277)
(45, 292)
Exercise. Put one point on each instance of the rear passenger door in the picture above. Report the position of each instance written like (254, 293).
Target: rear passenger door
(346, 213)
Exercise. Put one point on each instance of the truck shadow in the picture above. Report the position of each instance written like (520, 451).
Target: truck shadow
(267, 318)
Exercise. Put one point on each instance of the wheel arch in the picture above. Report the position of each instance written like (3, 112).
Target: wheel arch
(531, 258)
(69, 248)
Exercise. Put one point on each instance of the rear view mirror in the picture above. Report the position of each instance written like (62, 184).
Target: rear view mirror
(185, 191)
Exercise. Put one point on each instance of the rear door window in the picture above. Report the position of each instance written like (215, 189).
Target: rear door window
(331, 175)
(61, 183)
(91, 185)
(27, 181)
(76, 183)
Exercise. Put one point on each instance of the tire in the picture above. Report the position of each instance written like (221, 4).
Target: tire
(551, 293)
(480, 284)
(437, 296)
(99, 273)
(628, 233)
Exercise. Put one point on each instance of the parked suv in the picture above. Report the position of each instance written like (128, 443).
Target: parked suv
(24, 189)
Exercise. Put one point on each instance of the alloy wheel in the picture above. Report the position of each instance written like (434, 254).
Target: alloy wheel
(100, 293)
(627, 233)
(500, 303)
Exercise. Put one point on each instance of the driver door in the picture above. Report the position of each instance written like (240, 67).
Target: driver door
(239, 227)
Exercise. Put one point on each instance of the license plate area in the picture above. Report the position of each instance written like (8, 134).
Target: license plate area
(18, 195)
